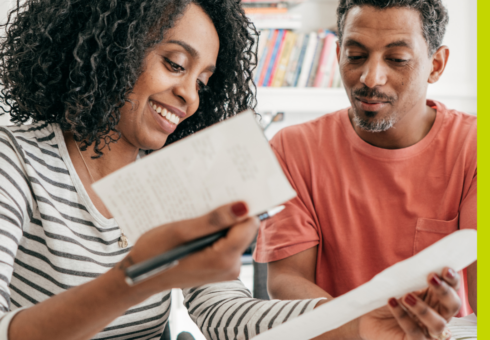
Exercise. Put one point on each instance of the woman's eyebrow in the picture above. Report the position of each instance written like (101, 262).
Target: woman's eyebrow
(192, 51)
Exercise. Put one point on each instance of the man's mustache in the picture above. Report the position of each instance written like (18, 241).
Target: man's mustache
(367, 93)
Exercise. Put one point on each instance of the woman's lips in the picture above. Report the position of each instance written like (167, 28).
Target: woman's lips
(166, 125)
(371, 105)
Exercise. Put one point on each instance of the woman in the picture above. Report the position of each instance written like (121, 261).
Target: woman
(102, 80)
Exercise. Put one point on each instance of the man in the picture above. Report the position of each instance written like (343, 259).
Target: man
(384, 179)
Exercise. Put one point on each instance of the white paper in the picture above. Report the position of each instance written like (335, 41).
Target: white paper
(227, 162)
(463, 328)
(458, 250)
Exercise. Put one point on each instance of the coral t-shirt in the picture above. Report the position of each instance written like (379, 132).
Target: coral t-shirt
(368, 208)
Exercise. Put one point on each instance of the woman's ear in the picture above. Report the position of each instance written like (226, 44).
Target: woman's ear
(439, 62)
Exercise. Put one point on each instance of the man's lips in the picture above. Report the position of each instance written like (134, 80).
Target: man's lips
(371, 104)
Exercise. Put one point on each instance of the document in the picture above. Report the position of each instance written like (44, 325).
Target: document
(229, 161)
(463, 328)
(458, 250)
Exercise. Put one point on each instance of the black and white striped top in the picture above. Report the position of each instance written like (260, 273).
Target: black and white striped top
(52, 238)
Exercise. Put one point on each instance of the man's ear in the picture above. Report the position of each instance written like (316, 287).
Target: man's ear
(439, 62)
(338, 52)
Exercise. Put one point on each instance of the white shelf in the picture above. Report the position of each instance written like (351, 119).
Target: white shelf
(321, 100)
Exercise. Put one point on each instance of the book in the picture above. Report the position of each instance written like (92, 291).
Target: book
(308, 59)
(293, 61)
(270, 47)
(300, 60)
(330, 65)
(289, 43)
(227, 162)
(272, 62)
(316, 59)
(324, 59)
(267, 35)
(277, 58)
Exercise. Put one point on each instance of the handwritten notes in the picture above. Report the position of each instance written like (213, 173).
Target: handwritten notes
(226, 162)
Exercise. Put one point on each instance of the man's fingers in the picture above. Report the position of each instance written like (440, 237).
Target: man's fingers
(447, 298)
(434, 322)
(406, 323)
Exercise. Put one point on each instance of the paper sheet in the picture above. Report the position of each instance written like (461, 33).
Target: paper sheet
(463, 328)
(458, 250)
(226, 162)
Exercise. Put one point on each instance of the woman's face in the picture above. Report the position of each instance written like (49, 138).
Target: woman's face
(166, 92)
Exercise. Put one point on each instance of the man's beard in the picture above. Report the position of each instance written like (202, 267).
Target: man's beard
(377, 125)
(374, 125)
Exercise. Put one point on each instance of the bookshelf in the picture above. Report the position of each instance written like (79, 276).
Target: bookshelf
(456, 89)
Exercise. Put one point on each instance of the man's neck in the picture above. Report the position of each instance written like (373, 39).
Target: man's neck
(409, 130)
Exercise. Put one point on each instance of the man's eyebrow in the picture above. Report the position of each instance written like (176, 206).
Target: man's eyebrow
(192, 51)
(353, 43)
(399, 43)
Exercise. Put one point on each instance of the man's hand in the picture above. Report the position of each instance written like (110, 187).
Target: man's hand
(416, 316)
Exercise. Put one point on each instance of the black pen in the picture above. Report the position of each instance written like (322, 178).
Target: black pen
(156, 265)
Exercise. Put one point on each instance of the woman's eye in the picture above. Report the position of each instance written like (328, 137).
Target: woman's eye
(200, 85)
(175, 67)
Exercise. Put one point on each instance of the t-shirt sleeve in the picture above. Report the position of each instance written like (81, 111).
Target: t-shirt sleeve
(467, 210)
(294, 229)
(14, 210)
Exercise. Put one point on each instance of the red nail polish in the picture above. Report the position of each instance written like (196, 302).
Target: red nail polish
(435, 281)
(411, 300)
(451, 274)
(393, 303)
(239, 209)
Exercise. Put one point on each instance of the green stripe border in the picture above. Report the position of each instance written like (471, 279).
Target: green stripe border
(483, 167)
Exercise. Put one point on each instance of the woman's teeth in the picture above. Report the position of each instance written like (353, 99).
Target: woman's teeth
(171, 117)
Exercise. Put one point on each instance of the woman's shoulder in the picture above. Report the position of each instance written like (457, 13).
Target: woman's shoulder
(39, 135)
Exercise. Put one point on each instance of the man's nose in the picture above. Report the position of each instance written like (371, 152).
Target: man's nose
(374, 73)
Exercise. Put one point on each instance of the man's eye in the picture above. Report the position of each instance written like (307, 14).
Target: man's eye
(175, 67)
(355, 58)
(398, 60)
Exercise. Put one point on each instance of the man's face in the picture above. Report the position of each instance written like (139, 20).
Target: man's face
(384, 65)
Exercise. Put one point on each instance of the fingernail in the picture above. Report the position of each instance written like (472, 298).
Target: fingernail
(393, 303)
(451, 274)
(239, 209)
(411, 300)
(435, 281)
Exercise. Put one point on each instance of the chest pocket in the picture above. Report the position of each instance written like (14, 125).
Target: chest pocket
(428, 232)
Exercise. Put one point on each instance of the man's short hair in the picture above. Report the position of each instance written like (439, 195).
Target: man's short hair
(433, 15)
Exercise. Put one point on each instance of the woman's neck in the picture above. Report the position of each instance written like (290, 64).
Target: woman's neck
(115, 156)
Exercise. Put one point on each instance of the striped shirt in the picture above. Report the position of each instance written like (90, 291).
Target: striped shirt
(52, 238)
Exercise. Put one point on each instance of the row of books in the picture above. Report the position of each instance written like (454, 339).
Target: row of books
(289, 59)
(272, 13)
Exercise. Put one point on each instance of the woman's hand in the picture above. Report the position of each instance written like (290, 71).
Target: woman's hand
(416, 316)
(219, 262)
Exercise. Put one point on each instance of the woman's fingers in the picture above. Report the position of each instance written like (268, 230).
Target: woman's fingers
(239, 237)
(432, 321)
(451, 277)
(444, 293)
(408, 324)
(216, 220)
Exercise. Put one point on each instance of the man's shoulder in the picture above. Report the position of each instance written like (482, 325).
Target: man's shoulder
(309, 132)
(455, 119)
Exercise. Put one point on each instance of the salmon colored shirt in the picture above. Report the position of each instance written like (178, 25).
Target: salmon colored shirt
(367, 208)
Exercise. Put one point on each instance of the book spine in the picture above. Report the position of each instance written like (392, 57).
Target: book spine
(316, 60)
(263, 55)
(332, 72)
(270, 48)
(262, 40)
(277, 44)
(293, 61)
(308, 60)
(278, 57)
(301, 59)
(332, 56)
(323, 61)
(283, 62)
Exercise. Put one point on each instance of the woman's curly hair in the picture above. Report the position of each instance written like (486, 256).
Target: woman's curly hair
(74, 62)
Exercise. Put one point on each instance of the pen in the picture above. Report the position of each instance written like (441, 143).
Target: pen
(156, 265)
